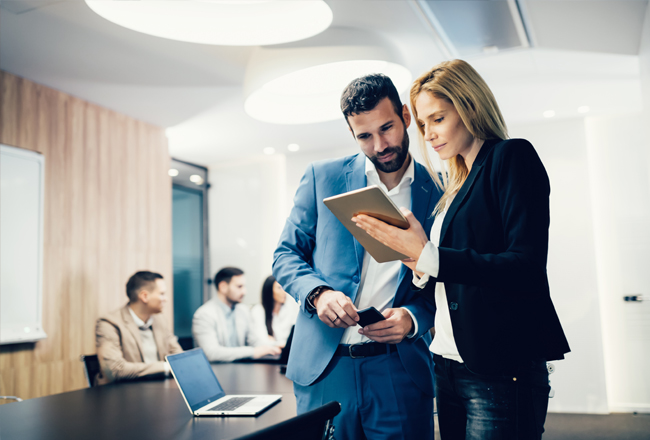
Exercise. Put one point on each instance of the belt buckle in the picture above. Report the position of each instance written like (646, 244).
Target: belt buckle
(350, 351)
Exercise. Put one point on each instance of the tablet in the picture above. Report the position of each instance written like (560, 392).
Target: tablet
(372, 201)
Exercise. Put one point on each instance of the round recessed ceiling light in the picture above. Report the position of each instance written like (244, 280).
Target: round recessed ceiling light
(293, 147)
(173, 172)
(196, 179)
(583, 109)
(303, 84)
(549, 113)
(269, 150)
(222, 22)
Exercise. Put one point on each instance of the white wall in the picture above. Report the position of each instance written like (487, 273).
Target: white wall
(579, 380)
(246, 215)
(619, 159)
(619, 162)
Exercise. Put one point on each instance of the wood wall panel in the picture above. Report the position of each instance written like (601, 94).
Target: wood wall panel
(107, 215)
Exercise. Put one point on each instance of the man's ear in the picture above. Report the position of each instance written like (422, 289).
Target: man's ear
(222, 289)
(143, 296)
(406, 115)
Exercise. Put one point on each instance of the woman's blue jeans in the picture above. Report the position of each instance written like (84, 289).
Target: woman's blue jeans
(478, 407)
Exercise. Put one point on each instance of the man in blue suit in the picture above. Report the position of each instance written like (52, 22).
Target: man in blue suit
(381, 374)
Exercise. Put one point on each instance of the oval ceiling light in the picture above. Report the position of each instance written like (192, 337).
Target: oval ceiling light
(300, 84)
(221, 22)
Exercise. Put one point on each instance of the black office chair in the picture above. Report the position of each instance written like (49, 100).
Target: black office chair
(91, 368)
(313, 425)
(186, 343)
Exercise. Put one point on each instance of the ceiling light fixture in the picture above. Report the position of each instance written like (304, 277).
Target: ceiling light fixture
(196, 179)
(583, 109)
(269, 150)
(549, 113)
(302, 83)
(173, 172)
(221, 22)
(293, 147)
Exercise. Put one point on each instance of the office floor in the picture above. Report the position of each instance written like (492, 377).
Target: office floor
(592, 427)
(597, 427)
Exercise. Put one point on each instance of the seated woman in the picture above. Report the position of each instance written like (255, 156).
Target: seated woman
(276, 315)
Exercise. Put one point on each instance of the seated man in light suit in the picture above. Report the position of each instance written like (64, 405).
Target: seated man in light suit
(223, 327)
(132, 342)
(381, 374)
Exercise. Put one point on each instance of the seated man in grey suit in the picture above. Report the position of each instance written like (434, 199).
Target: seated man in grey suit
(132, 341)
(223, 327)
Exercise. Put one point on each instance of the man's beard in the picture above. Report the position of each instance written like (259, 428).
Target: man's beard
(401, 151)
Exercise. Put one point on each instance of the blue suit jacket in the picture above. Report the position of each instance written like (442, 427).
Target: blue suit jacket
(315, 249)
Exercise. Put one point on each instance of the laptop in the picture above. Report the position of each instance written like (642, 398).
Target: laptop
(203, 393)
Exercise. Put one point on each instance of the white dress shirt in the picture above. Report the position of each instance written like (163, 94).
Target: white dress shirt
(378, 282)
(443, 343)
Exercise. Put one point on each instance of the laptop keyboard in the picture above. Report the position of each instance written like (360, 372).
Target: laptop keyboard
(231, 404)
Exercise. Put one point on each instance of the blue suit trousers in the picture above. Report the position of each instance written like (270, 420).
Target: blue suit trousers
(378, 399)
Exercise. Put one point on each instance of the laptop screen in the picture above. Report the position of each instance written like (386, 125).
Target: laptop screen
(195, 378)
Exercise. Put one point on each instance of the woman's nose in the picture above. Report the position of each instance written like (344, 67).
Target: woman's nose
(430, 135)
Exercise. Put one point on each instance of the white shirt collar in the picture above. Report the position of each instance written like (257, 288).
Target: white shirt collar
(139, 322)
(373, 176)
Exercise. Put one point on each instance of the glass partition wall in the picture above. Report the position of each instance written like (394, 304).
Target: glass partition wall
(190, 244)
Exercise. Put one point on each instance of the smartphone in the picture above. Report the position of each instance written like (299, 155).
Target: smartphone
(369, 316)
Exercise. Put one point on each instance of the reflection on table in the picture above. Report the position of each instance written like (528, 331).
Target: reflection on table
(146, 409)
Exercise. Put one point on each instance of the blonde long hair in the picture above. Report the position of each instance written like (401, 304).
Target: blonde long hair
(458, 83)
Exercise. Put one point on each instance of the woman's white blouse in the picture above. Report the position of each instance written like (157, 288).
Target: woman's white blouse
(281, 323)
(429, 262)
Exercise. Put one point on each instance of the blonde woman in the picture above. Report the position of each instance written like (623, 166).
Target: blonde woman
(485, 266)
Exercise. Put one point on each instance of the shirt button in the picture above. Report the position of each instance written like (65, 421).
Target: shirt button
(453, 306)
(355, 279)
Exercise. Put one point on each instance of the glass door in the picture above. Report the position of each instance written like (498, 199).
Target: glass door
(189, 230)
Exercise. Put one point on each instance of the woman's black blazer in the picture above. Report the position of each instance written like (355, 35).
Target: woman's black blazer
(493, 251)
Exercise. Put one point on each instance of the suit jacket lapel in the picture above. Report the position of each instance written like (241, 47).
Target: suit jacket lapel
(135, 331)
(464, 190)
(355, 178)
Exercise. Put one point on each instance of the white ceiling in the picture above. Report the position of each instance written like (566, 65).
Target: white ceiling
(584, 53)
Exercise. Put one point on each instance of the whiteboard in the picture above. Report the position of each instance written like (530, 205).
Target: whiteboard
(21, 245)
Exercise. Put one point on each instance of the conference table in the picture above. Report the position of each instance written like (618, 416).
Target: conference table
(146, 410)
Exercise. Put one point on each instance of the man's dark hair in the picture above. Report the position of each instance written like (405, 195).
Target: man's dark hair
(226, 275)
(364, 93)
(138, 281)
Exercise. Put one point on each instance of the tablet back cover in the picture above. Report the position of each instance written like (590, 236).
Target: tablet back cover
(374, 202)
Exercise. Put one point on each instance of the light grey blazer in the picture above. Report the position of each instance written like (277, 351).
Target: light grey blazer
(211, 332)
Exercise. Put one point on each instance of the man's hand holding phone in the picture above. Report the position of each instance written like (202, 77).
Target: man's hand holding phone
(391, 330)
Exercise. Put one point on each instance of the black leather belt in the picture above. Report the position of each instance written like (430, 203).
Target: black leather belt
(365, 350)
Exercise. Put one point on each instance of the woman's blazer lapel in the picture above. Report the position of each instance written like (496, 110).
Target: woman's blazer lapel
(467, 186)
